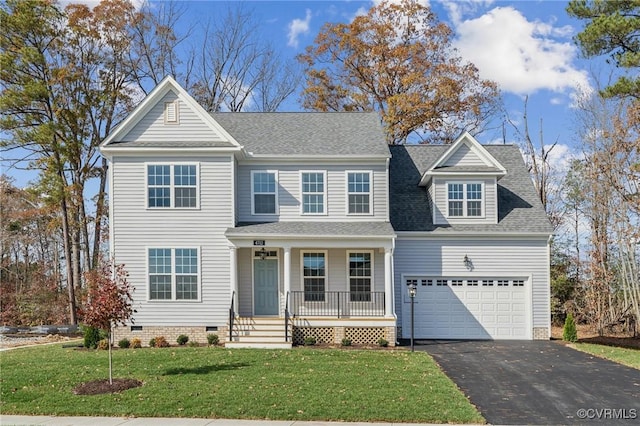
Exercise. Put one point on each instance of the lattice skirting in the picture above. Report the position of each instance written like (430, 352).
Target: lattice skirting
(321, 334)
(365, 335)
(334, 335)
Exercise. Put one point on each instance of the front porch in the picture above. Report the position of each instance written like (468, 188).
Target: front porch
(315, 284)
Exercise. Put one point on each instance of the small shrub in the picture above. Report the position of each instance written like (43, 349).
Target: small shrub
(91, 337)
(212, 339)
(103, 344)
(382, 342)
(124, 343)
(160, 342)
(193, 344)
(569, 333)
(346, 342)
(309, 341)
(136, 343)
(182, 339)
(152, 342)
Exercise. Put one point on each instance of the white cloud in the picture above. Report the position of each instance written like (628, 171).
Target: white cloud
(520, 55)
(298, 27)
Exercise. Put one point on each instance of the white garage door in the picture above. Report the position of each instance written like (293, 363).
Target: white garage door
(452, 308)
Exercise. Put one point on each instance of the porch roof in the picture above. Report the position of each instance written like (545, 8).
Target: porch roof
(339, 230)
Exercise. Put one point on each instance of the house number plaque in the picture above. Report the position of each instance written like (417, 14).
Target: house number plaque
(258, 242)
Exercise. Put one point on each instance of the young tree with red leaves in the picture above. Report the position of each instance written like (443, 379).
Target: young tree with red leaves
(108, 300)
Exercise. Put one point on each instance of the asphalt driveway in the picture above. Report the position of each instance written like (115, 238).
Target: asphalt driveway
(539, 382)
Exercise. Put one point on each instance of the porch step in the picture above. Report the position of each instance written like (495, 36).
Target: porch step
(258, 345)
(259, 333)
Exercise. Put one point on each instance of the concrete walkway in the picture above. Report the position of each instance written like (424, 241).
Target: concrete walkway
(7, 420)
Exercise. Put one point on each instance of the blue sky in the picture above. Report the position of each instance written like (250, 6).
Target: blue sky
(524, 46)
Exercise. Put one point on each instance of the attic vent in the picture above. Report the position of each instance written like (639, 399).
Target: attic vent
(171, 112)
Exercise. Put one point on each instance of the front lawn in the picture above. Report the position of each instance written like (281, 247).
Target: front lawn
(298, 384)
(627, 356)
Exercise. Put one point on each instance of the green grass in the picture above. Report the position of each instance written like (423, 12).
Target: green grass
(298, 384)
(625, 356)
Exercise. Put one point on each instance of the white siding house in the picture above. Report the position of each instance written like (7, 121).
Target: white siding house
(267, 228)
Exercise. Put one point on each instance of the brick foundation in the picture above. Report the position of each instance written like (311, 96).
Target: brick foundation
(171, 333)
(541, 333)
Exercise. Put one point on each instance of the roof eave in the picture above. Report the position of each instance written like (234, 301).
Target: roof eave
(426, 177)
(111, 150)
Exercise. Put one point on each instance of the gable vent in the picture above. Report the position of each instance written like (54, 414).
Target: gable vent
(171, 112)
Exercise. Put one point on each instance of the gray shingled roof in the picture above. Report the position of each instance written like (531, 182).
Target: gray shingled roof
(307, 133)
(313, 229)
(519, 209)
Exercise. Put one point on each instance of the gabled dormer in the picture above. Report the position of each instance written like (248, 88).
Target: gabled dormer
(462, 184)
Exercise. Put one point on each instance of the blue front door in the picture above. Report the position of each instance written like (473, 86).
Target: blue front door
(265, 287)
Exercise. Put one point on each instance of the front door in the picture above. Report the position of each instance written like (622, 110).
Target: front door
(265, 284)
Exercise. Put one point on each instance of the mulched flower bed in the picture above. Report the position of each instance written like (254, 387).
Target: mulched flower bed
(97, 387)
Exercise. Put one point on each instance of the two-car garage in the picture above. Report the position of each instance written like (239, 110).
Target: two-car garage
(467, 308)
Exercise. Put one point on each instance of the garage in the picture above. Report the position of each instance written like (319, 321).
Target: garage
(467, 308)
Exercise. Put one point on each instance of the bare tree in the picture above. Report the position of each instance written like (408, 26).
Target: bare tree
(235, 70)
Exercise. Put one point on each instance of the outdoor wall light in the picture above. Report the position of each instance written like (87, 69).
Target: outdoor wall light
(467, 263)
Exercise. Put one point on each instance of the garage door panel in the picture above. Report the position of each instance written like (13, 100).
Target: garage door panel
(469, 311)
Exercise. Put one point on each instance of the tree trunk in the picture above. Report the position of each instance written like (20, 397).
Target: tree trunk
(68, 262)
(100, 207)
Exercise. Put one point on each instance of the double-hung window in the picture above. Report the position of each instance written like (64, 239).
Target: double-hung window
(173, 274)
(172, 186)
(264, 197)
(359, 192)
(360, 276)
(314, 275)
(313, 192)
(465, 199)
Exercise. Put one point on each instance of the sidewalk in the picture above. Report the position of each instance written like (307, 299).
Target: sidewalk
(7, 420)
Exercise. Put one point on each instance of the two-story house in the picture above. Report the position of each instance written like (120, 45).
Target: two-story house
(267, 228)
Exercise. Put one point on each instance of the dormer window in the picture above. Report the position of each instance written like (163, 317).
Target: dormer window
(465, 199)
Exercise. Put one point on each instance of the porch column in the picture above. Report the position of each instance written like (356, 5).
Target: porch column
(233, 275)
(388, 282)
(287, 271)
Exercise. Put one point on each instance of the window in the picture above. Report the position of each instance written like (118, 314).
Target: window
(184, 181)
(456, 283)
(173, 274)
(360, 273)
(359, 192)
(465, 199)
(186, 274)
(314, 275)
(159, 185)
(172, 186)
(503, 283)
(487, 283)
(518, 283)
(441, 282)
(472, 283)
(313, 192)
(264, 195)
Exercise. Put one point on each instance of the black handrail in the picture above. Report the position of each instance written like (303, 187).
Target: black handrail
(232, 316)
(339, 304)
(286, 317)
